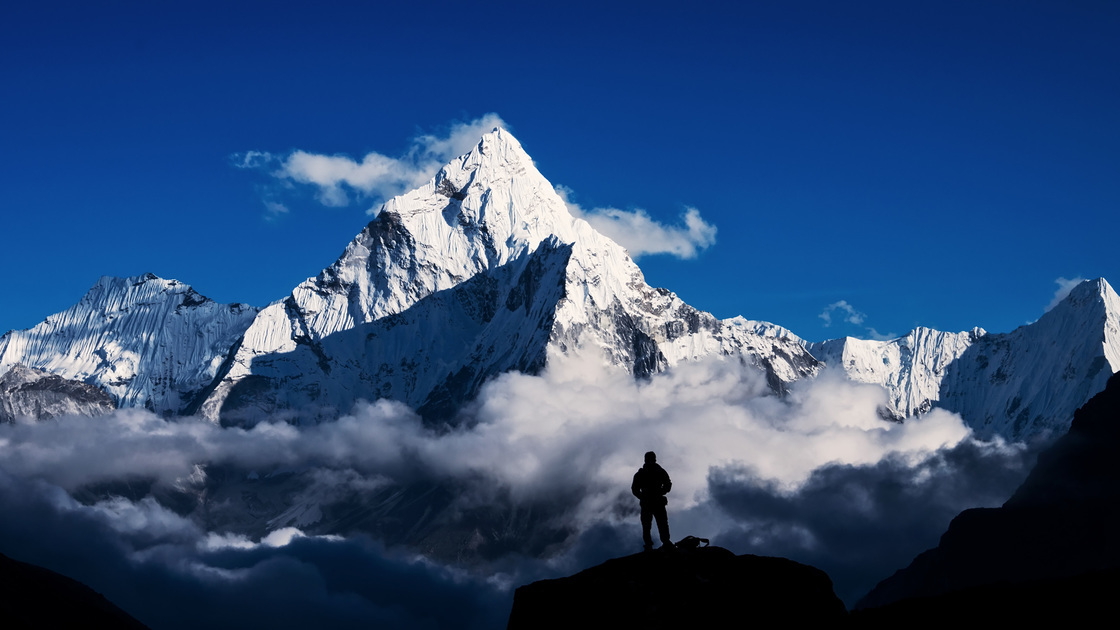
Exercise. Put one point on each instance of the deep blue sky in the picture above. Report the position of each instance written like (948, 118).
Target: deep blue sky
(937, 164)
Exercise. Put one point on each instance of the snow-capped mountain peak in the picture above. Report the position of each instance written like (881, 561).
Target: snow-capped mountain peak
(145, 340)
(480, 211)
(488, 231)
(1029, 381)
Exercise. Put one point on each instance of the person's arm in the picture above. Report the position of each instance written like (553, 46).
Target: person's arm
(634, 487)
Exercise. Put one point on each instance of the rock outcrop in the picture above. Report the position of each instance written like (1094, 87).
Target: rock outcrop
(683, 588)
(34, 597)
(38, 395)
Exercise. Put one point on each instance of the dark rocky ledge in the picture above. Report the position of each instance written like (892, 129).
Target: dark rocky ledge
(705, 587)
(34, 597)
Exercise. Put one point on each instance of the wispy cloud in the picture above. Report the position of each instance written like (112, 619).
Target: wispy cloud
(878, 336)
(848, 312)
(1065, 285)
(252, 159)
(641, 235)
(339, 180)
(274, 210)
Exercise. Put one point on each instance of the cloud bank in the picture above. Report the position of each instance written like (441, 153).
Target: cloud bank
(167, 572)
(816, 476)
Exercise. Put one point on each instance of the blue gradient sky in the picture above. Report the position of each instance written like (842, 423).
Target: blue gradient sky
(938, 164)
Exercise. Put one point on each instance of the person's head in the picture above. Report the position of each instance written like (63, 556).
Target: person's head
(651, 457)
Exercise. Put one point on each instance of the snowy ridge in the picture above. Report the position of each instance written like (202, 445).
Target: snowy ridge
(1018, 385)
(910, 368)
(1028, 382)
(762, 329)
(144, 340)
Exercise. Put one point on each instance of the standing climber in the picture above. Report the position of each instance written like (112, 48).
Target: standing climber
(651, 484)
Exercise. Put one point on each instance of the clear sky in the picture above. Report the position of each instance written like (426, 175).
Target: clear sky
(939, 164)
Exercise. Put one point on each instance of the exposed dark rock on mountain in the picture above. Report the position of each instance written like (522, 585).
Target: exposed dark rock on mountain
(705, 587)
(1056, 534)
(34, 597)
(29, 393)
(146, 341)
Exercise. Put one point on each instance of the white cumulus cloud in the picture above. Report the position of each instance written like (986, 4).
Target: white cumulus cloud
(640, 234)
(340, 180)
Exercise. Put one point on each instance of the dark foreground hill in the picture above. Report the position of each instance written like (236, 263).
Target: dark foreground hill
(683, 588)
(1052, 550)
(34, 597)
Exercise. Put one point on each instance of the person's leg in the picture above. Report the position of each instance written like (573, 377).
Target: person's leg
(663, 526)
(647, 521)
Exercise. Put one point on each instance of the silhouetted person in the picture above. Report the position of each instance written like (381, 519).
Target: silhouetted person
(651, 484)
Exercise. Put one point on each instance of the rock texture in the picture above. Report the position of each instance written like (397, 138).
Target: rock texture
(39, 395)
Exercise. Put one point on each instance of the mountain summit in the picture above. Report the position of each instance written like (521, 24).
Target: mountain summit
(480, 271)
(1030, 381)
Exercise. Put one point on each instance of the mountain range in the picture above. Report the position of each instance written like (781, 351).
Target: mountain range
(482, 271)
